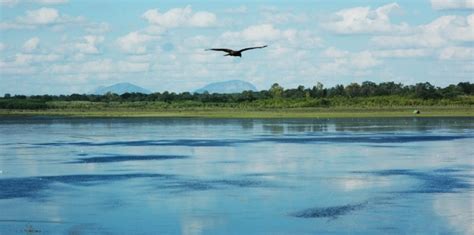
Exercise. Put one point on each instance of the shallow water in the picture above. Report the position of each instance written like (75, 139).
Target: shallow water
(236, 176)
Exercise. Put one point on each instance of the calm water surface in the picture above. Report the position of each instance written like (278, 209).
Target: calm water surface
(215, 176)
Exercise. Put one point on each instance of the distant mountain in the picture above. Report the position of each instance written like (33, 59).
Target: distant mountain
(120, 88)
(233, 86)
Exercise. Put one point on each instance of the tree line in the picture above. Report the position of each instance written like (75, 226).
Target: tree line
(276, 96)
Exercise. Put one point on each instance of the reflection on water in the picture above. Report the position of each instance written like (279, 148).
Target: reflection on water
(236, 176)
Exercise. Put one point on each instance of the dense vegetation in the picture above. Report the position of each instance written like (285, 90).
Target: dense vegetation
(367, 94)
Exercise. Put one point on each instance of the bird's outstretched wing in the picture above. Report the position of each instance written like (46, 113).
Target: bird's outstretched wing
(220, 49)
(251, 48)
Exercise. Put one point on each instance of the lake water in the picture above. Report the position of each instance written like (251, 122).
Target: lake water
(236, 176)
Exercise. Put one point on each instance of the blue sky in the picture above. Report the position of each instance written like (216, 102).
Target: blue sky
(73, 46)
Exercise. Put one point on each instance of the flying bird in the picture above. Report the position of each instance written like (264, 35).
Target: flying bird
(231, 52)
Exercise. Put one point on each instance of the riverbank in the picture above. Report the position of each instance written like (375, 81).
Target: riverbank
(264, 113)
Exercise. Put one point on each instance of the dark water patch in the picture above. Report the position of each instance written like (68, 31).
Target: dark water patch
(140, 143)
(32, 221)
(381, 139)
(448, 170)
(243, 183)
(87, 228)
(264, 174)
(125, 158)
(381, 146)
(227, 162)
(179, 185)
(436, 181)
(371, 139)
(329, 212)
(31, 187)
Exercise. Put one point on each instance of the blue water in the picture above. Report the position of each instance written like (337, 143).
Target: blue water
(236, 176)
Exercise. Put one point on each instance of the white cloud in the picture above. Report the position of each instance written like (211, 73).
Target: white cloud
(132, 67)
(284, 17)
(452, 4)
(354, 60)
(86, 45)
(50, 2)
(265, 33)
(135, 42)
(97, 28)
(2, 46)
(23, 64)
(440, 32)
(50, 17)
(364, 60)
(202, 19)
(11, 69)
(31, 44)
(278, 51)
(179, 17)
(40, 16)
(11, 3)
(237, 10)
(364, 20)
(457, 53)
(401, 53)
(273, 15)
(333, 52)
(89, 45)
(101, 66)
(370, 58)
(27, 59)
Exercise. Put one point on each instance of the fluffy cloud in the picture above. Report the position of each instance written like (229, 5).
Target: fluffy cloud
(275, 16)
(23, 63)
(31, 44)
(89, 45)
(265, 33)
(40, 16)
(11, 3)
(80, 47)
(28, 59)
(102, 66)
(452, 4)
(8, 3)
(457, 53)
(438, 33)
(135, 42)
(97, 28)
(52, 18)
(178, 17)
(371, 57)
(401, 53)
(34, 18)
(364, 20)
(237, 10)
(2, 46)
(46, 2)
(333, 52)
(355, 60)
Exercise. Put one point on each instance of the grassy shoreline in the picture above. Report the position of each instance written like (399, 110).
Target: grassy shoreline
(339, 112)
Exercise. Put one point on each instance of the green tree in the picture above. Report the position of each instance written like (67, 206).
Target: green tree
(276, 90)
(353, 90)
